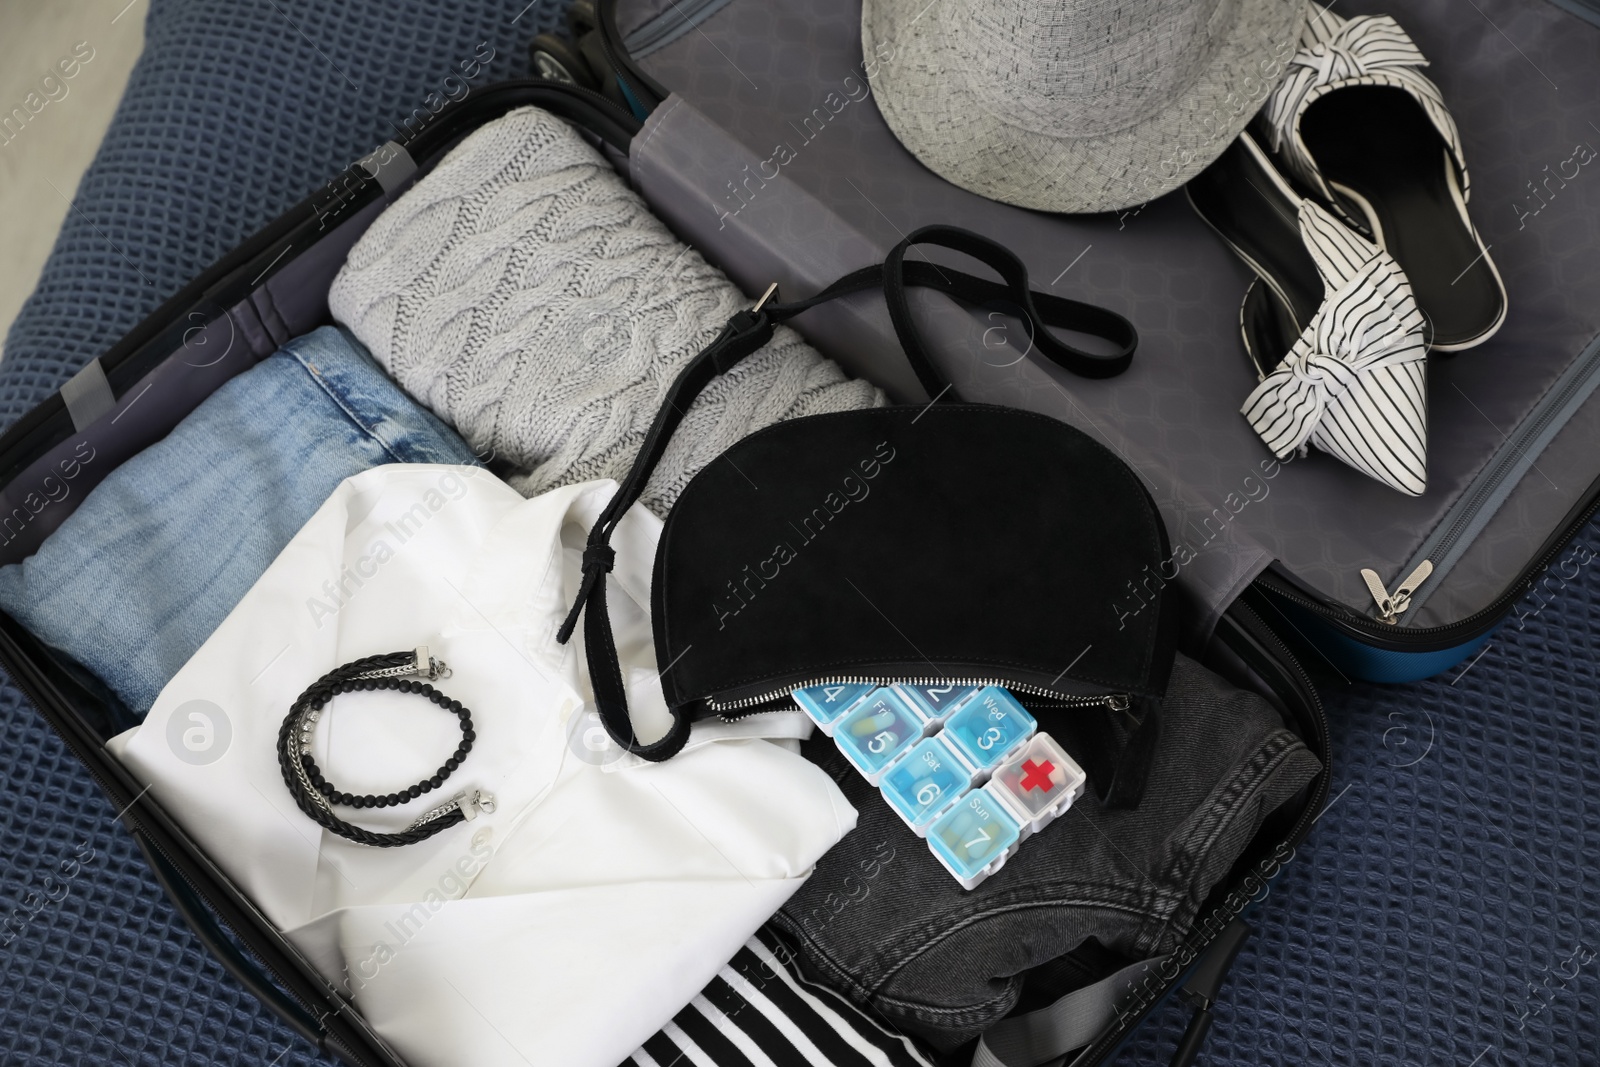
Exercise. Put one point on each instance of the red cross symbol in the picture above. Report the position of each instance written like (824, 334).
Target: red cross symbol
(1037, 775)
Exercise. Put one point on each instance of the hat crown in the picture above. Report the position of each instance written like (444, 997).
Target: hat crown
(1082, 68)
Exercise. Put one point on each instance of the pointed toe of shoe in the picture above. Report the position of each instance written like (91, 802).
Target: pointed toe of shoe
(1379, 426)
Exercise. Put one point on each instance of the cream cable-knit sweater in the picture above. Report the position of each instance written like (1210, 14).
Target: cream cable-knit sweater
(528, 297)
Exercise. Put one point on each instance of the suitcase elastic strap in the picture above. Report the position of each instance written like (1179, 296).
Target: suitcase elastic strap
(1051, 1032)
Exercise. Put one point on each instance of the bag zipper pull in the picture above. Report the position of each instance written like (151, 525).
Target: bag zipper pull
(1391, 606)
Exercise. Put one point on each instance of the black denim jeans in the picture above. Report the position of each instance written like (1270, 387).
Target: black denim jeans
(883, 922)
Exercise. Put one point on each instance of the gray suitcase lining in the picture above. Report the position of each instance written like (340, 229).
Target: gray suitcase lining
(220, 344)
(216, 344)
(774, 160)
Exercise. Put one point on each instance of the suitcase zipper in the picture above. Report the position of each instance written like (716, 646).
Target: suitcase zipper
(732, 711)
(632, 81)
(668, 26)
(1485, 492)
(1432, 638)
(1391, 606)
(1439, 552)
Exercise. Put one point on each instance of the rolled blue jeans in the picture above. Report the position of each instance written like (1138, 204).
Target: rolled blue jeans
(136, 579)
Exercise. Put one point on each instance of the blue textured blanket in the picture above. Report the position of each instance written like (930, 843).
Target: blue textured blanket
(1439, 914)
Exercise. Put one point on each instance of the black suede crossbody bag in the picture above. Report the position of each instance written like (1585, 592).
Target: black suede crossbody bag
(942, 543)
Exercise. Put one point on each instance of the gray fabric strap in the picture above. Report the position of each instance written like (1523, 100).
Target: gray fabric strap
(1051, 1032)
(390, 163)
(88, 395)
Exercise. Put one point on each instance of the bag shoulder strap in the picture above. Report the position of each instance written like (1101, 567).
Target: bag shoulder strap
(746, 332)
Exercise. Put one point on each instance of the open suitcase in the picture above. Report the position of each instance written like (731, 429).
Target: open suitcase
(274, 287)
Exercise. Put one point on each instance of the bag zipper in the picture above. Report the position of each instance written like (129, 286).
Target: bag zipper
(732, 711)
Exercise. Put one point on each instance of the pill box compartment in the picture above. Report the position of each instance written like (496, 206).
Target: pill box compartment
(825, 705)
(925, 782)
(877, 730)
(975, 838)
(1039, 783)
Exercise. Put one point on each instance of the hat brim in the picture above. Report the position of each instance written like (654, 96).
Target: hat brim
(924, 97)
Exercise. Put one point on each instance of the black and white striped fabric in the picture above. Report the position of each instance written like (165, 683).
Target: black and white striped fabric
(1354, 384)
(1337, 52)
(758, 1012)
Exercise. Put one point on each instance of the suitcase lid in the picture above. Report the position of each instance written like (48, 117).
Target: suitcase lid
(776, 162)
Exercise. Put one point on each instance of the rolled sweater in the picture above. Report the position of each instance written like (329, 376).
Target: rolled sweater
(530, 299)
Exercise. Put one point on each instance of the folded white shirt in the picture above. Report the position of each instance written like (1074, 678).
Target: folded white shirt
(599, 896)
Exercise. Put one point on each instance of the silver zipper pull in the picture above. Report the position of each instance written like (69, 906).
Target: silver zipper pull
(1402, 596)
(1119, 703)
(1379, 594)
(1391, 606)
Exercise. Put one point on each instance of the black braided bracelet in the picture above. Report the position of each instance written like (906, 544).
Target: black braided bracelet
(316, 796)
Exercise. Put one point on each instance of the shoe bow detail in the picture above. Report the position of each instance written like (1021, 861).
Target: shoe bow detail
(1362, 45)
(1354, 383)
(1336, 52)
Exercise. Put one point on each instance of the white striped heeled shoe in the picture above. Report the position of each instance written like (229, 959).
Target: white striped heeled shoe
(1340, 350)
(1357, 121)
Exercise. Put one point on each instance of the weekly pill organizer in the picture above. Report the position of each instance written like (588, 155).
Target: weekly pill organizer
(965, 768)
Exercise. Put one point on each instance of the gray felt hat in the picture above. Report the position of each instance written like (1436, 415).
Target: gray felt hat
(1074, 105)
